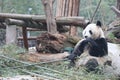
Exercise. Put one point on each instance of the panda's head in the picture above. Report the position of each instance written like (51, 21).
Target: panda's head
(93, 31)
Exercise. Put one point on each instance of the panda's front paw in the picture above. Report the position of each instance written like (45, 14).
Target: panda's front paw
(72, 57)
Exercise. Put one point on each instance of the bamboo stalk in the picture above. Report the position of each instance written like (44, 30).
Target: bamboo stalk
(43, 76)
(40, 63)
(26, 63)
(95, 11)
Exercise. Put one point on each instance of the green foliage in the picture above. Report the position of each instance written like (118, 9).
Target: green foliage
(22, 6)
(111, 36)
(104, 13)
(11, 50)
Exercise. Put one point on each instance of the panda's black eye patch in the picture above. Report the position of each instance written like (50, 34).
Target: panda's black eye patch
(90, 32)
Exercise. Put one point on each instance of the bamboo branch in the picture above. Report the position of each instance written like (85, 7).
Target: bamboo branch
(95, 11)
(43, 76)
(26, 63)
(40, 63)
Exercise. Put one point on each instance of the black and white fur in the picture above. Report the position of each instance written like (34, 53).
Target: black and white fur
(94, 41)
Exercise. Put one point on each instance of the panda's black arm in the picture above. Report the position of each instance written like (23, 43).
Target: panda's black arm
(103, 46)
(78, 50)
(98, 47)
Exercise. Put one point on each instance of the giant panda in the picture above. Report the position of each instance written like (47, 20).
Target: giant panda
(93, 43)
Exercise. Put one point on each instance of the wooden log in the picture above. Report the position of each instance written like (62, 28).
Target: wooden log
(42, 18)
(41, 57)
(25, 24)
(77, 21)
(23, 16)
(15, 21)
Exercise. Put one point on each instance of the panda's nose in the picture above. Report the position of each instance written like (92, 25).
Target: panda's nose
(86, 36)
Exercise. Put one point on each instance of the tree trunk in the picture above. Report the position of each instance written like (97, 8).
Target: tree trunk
(68, 8)
(118, 5)
(51, 23)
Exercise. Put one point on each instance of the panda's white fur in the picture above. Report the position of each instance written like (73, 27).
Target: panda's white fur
(93, 43)
(97, 31)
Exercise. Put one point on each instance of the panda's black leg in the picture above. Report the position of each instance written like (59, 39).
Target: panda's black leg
(72, 64)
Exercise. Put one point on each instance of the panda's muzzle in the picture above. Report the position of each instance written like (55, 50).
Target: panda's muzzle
(86, 36)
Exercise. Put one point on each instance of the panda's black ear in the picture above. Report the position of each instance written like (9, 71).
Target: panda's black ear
(88, 23)
(99, 23)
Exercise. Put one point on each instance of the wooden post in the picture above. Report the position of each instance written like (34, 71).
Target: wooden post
(10, 34)
(74, 12)
(68, 8)
(24, 30)
(50, 20)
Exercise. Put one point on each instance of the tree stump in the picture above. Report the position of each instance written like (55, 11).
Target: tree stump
(50, 43)
(54, 43)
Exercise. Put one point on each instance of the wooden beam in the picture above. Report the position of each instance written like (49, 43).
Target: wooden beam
(14, 21)
(75, 20)
(28, 23)
(22, 16)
